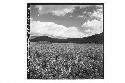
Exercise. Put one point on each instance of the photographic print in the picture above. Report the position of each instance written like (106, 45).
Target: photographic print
(65, 41)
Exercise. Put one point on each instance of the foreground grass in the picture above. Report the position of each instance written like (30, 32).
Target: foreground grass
(66, 61)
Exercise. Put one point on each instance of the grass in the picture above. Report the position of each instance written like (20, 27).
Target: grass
(65, 61)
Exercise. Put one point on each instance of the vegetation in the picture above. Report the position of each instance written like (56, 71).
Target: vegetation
(65, 61)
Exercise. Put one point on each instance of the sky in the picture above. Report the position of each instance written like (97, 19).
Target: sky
(66, 21)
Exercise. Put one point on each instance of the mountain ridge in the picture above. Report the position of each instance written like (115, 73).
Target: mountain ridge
(97, 39)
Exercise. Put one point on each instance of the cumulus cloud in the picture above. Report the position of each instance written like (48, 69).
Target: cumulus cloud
(61, 10)
(98, 14)
(94, 26)
(58, 10)
(92, 20)
(50, 28)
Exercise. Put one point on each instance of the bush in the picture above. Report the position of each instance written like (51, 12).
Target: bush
(56, 61)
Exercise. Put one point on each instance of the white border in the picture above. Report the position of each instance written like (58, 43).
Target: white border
(13, 55)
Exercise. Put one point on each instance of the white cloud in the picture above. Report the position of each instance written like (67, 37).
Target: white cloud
(62, 12)
(95, 26)
(80, 16)
(50, 28)
(98, 14)
(59, 10)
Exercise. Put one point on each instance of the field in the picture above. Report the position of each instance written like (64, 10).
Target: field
(65, 61)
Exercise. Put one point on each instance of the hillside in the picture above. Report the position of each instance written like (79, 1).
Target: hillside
(97, 39)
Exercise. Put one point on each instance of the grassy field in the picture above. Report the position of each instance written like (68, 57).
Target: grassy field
(65, 61)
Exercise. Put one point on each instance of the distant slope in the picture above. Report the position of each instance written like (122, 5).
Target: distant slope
(98, 39)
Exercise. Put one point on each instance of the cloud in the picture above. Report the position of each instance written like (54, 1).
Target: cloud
(92, 18)
(62, 10)
(95, 24)
(50, 28)
(89, 10)
(58, 10)
(98, 14)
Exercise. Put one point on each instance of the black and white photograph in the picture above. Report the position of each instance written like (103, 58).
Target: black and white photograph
(62, 41)
(65, 41)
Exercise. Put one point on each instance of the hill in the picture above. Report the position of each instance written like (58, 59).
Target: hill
(97, 39)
